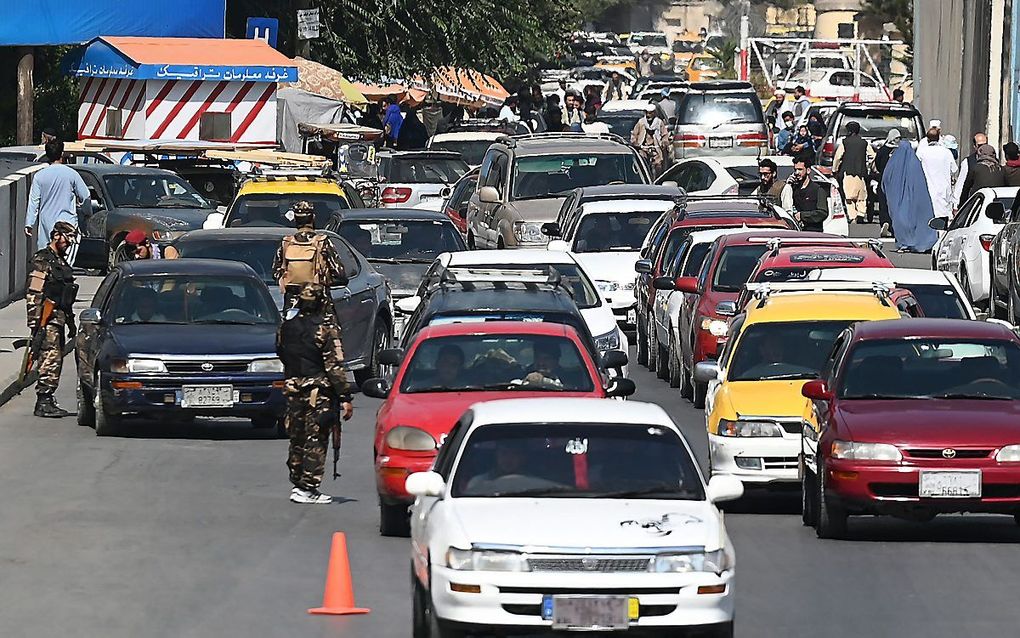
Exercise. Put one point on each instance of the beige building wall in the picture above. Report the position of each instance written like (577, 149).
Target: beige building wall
(829, 14)
(687, 15)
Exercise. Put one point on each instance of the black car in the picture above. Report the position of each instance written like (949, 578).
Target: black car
(363, 306)
(399, 242)
(177, 338)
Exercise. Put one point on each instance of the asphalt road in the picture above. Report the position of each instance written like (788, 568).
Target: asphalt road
(187, 532)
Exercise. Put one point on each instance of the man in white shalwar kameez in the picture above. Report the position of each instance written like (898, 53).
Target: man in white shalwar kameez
(939, 167)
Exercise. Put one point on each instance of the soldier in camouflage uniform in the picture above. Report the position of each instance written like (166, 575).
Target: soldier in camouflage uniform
(327, 269)
(316, 389)
(51, 280)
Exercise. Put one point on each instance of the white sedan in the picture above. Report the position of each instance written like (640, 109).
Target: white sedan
(569, 514)
(963, 249)
(938, 293)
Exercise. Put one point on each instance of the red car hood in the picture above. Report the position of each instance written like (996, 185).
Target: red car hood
(932, 422)
(436, 412)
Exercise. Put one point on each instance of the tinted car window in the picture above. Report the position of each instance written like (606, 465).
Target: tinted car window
(411, 240)
(271, 209)
(876, 123)
(621, 122)
(735, 266)
(425, 170)
(257, 254)
(547, 175)
(471, 151)
(712, 109)
(599, 232)
(152, 191)
(939, 301)
(192, 299)
(783, 350)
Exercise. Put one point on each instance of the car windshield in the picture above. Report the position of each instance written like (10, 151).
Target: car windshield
(415, 241)
(471, 151)
(718, 109)
(939, 301)
(153, 191)
(474, 363)
(576, 281)
(735, 267)
(877, 124)
(932, 368)
(621, 122)
(272, 209)
(783, 350)
(551, 175)
(649, 40)
(192, 299)
(602, 232)
(257, 254)
(425, 170)
(576, 460)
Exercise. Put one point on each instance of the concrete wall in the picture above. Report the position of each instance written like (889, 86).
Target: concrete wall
(15, 247)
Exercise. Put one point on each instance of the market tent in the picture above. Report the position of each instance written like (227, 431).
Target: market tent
(296, 107)
(321, 80)
(466, 87)
(376, 92)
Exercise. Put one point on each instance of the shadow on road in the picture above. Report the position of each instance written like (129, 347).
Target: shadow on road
(202, 428)
(761, 501)
(948, 528)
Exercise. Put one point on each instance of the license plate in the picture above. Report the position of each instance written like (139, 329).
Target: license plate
(950, 484)
(720, 142)
(593, 613)
(207, 396)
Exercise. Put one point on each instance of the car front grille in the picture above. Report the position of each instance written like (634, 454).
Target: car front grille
(196, 367)
(792, 427)
(939, 454)
(780, 462)
(591, 564)
(645, 611)
(604, 591)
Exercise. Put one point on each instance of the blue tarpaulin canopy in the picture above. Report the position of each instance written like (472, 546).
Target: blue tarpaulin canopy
(47, 22)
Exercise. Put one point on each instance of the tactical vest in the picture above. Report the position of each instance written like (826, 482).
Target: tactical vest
(297, 350)
(59, 287)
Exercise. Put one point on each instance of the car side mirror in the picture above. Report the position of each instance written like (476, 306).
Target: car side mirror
(488, 195)
(663, 283)
(996, 212)
(551, 229)
(558, 245)
(391, 356)
(376, 388)
(939, 223)
(643, 266)
(90, 316)
(706, 371)
(407, 305)
(425, 484)
(687, 284)
(445, 192)
(726, 308)
(669, 182)
(614, 359)
(620, 387)
(724, 487)
(817, 390)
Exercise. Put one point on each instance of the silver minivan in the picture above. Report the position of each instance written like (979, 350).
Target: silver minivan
(720, 117)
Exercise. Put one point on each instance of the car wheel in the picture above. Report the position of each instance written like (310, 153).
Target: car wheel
(699, 393)
(653, 348)
(117, 255)
(380, 340)
(965, 283)
(662, 361)
(86, 406)
(1016, 519)
(674, 364)
(993, 301)
(722, 630)
(831, 519)
(394, 520)
(420, 616)
(1011, 303)
(686, 380)
(106, 424)
(642, 342)
(808, 503)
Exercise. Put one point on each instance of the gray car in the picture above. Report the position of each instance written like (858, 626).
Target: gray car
(363, 306)
(720, 117)
(523, 181)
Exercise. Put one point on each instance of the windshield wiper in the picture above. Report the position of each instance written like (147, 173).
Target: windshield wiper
(540, 491)
(446, 388)
(875, 395)
(965, 395)
(226, 322)
(789, 375)
(662, 488)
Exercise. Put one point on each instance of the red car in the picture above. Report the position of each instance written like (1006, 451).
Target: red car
(449, 367)
(793, 263)
(711, 298)
(915, 417)
(664, 241)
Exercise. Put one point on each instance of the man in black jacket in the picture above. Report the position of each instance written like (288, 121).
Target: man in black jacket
(810, 198)
(851, 165)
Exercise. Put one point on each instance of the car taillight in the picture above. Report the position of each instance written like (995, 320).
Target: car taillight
(395, 195)
(986, 242)
(689, 140)
(732, 190)
(752, 139)
(829, 149)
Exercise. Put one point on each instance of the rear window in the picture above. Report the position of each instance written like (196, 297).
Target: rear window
(471, 151)
(876, 123)
(735, 266)
(425, 170)
(715, 109)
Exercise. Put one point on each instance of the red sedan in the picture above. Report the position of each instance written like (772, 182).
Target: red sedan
(915, 417)
(793, 263)
(449, 367)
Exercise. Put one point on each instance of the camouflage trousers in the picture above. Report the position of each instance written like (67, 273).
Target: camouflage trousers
(51, 358)
(326, 303)
(309, 420)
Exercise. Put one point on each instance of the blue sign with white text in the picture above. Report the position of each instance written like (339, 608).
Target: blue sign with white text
(263, 29)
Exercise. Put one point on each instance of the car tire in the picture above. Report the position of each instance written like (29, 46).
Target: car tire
(116, 256)
(1016, 519)
(106, 424)
(380, 341)
(653, 348)
(662, 361)
(642, 342)
(700, 391)
(831, 519)
(1011, 304)
(420, 608)
(722, 630)
(86, 406)
(394, 520)
(673, 365)
(808, 500)
(965, 283)
(686, 379)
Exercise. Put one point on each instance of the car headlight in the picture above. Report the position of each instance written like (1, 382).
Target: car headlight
(166, 235)
(716, 562)
(1008, 454)
(528, 232)
(608, 341)
(749, 428)
(485, 561)
(850, 450)
(405, 437)
(137, 365)
(266, 365)
(715, 327)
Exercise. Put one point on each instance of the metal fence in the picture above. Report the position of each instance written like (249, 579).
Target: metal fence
(15, 247)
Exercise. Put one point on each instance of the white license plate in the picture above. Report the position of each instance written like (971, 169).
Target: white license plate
(950, 484)
(596, 613)
(720, 142)
(207, 396)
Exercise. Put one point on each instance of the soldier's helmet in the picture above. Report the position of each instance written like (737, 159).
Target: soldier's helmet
(304, 213)
(310, 292)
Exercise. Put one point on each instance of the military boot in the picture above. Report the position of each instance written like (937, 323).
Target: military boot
(47, 408)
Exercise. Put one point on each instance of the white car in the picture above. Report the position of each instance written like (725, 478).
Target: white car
(938, 293)
(569, 514)
(605, 237)
(408, 178)
(963, 249)
(596, 313)
(470, 144)
(837, 84)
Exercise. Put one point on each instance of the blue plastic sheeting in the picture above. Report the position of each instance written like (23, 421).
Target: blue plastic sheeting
(100, 60)
(42, 22)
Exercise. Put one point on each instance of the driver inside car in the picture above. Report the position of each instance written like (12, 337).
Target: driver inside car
(145, 307)
(450, 367)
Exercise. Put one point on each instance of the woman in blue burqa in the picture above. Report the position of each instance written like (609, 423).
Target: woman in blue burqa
(909, 202)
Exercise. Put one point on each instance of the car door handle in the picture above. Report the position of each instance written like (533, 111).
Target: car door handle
(366, 300)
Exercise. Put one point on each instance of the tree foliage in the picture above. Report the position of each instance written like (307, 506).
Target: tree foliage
(899, 12)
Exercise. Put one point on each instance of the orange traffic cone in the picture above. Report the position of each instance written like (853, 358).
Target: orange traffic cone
(338, 597)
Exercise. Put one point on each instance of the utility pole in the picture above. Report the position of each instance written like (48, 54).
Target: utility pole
(26, 95)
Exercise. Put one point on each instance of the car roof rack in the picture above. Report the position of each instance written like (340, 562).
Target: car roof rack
(775, 243)
(471, 278)
(512, 140)
(761, 292)
(765, 202)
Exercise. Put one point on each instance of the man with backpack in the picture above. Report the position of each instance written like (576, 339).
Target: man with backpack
(307, 257)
